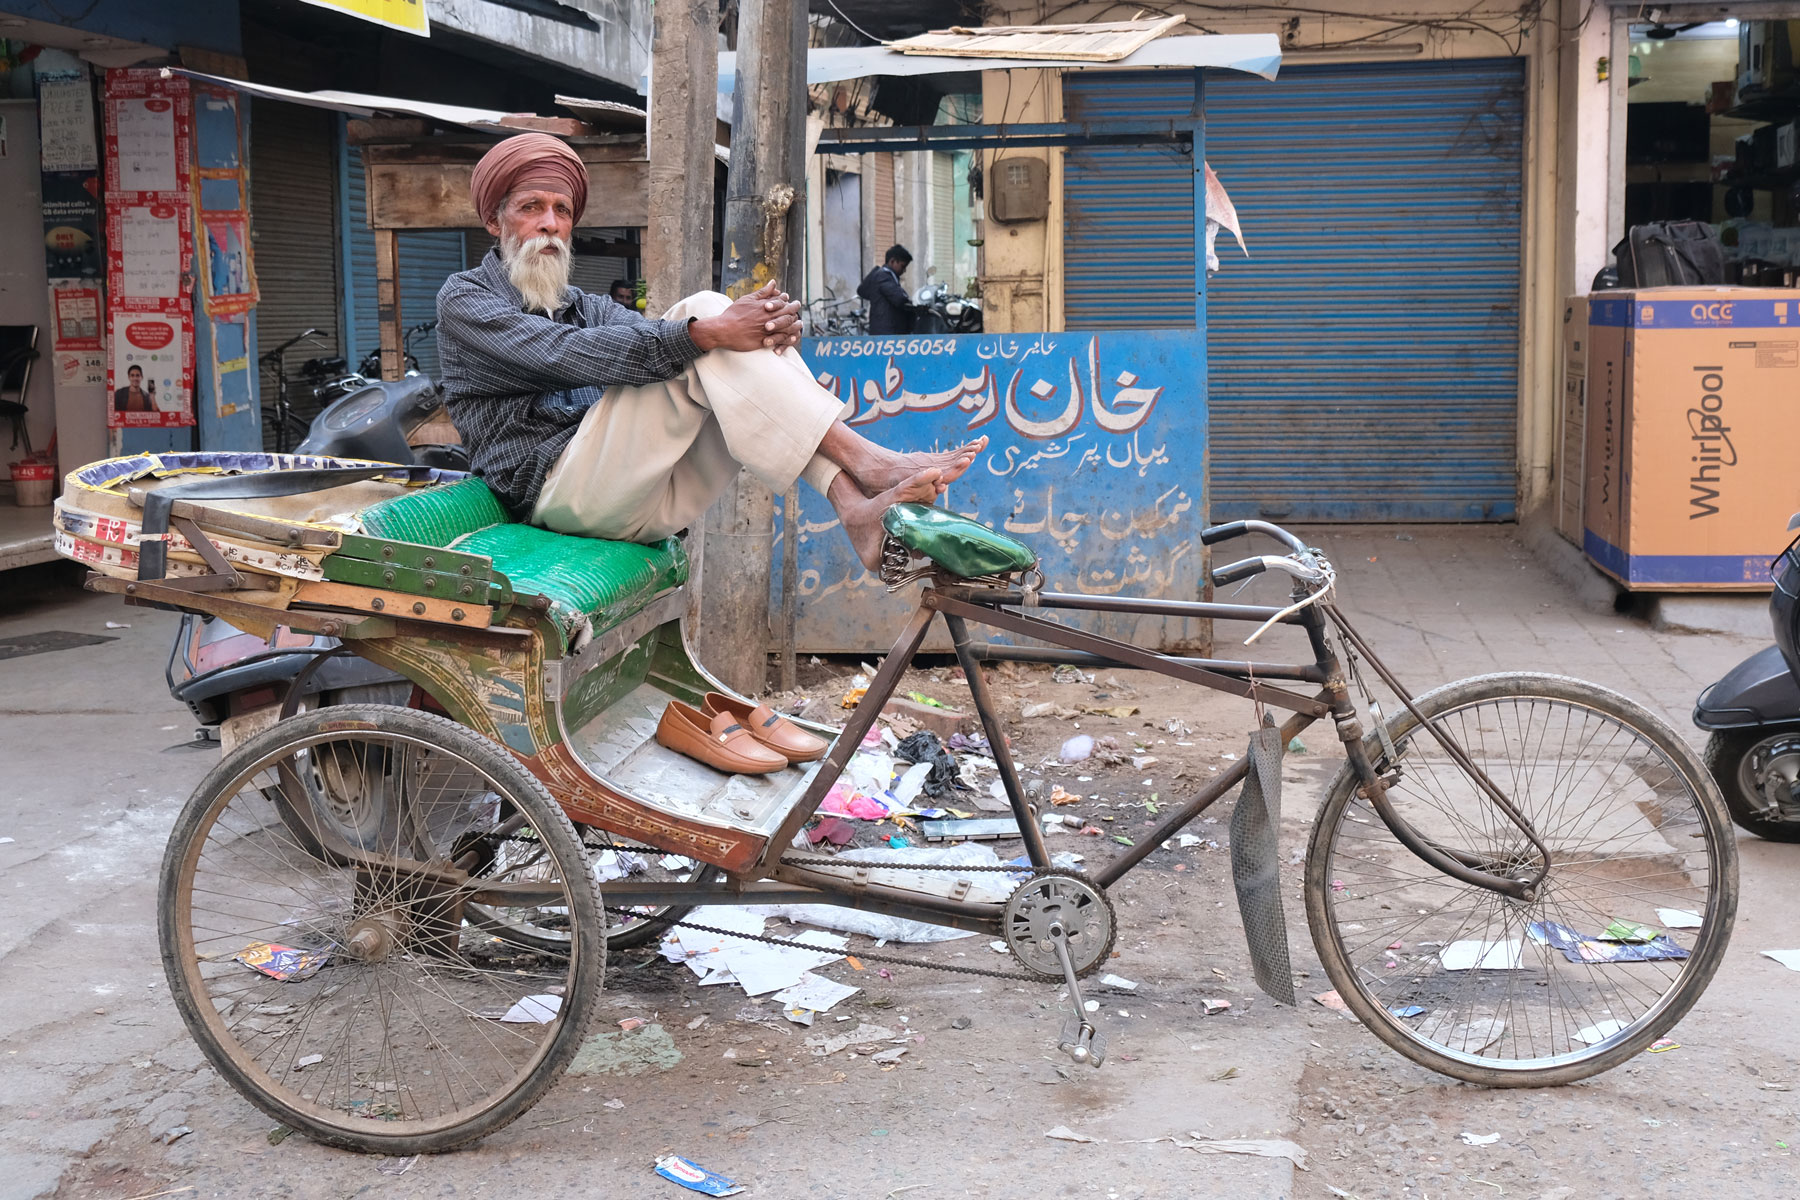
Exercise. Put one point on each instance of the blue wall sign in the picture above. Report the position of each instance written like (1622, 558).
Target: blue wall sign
(1096, 459)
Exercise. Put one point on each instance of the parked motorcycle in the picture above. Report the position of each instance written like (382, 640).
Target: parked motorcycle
(939, 310)
(235, 682)
(1753, 714)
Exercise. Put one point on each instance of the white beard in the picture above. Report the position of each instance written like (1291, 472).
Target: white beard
(542, 279)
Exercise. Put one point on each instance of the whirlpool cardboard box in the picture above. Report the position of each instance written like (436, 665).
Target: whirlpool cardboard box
(1693, 420)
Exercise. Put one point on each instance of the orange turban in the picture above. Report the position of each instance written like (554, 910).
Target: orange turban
(523, 163)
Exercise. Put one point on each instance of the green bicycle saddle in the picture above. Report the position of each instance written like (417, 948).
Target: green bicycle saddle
(962, 547)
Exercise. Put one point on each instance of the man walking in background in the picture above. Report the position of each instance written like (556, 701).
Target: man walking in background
(890, 311)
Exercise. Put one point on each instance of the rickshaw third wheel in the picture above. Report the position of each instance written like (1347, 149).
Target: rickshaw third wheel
(333, 973)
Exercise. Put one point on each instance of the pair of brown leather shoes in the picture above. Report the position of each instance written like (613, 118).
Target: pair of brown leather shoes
(736, 736)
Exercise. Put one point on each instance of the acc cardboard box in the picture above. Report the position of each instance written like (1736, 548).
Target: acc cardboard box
(1693, 417)
(1571, 460)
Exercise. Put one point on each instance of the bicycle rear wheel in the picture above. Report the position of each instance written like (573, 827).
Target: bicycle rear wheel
(338, 984)
(1624, 933)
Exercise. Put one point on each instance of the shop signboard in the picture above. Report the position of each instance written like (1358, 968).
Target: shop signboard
(408, 16)
(1095, 458)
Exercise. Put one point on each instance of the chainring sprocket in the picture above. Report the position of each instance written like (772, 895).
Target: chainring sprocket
(1090, 925)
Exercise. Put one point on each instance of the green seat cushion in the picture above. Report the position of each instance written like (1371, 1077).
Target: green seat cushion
(960, 546)
(605, 582)
(435, 516)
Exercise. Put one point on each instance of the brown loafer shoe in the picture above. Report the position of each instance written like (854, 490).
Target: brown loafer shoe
(718, 741)
(769, 727)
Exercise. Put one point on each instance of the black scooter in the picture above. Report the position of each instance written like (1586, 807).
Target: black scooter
(1753, 715)
(235, 682)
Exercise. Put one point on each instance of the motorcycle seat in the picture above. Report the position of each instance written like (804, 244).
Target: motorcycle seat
(959, 545)
(592, 584)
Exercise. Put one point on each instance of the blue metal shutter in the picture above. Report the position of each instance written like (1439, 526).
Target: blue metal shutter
(426, 260)
(1364, 359)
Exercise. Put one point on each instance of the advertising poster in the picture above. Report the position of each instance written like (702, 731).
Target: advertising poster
(71, 226)
(227, 276)
(151, 379)
(149, 253)
(66, 123)
(75, 308)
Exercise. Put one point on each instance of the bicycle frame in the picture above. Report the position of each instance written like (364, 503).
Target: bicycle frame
(1006, 609)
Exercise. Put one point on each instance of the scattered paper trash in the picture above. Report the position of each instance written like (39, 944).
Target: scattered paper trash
(1188, 840)
(397, 1166)
(117, 625)
(1579, 949)
(1063, 1133)
(534, 1010)
(1599, 1031)
(1787, 958)
(1215, 1006)
(888, 1057)
(1479, 1139)
(1628, 931)
(283, 962)
(1663, 1045)
(1483, 956)
(1119, 981)
(815, 993)
(615, 1103)
(1332, 1001)
(695, 1178)
(310, 1060)
(1407, 1012)
(180, 1131)
(5, 841)
(1678, 918)
(824, 1044)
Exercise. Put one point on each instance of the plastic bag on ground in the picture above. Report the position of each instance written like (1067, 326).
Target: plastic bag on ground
(990, 888)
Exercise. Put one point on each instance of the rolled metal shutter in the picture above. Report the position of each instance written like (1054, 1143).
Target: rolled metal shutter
(1364, 359)
(426, 260)
(884, 203)
(293, 191)
(943, 223)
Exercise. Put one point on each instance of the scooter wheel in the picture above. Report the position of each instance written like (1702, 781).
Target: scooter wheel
(1748, 764)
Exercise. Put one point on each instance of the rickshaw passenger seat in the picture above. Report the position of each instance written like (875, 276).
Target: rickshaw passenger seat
(954, 542)
(586, 579)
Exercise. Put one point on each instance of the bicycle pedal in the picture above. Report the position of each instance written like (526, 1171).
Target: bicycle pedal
(1082, 1041)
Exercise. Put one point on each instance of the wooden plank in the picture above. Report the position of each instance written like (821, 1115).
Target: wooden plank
(1074, 43)
(560, 126)
(395, 604)
(436, 195)
(387, 304)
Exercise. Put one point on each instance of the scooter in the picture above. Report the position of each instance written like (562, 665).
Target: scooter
(941, 311)
(1753, 714)
(235, 682)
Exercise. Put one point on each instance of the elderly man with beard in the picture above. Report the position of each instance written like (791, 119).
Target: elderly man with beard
(587, 418)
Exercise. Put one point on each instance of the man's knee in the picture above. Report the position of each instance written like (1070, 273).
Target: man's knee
(706, 304)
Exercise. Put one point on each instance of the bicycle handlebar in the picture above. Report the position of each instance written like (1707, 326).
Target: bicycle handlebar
(1305, 572)
(1233, 529)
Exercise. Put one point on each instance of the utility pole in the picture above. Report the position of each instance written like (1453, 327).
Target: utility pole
(764, 209)
(684, 98)
(684, 114)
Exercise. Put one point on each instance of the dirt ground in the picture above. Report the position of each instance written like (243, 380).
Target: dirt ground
(966, 1111)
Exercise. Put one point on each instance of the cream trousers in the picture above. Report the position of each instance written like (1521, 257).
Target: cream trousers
(649, 461)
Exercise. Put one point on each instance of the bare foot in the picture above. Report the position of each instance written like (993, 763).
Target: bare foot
(861, 515)
(889, 468)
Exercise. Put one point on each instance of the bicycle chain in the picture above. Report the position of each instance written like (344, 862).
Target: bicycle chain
(872, 956)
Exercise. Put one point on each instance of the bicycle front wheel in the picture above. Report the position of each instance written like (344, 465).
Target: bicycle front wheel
(1624, 932)
(337, 982)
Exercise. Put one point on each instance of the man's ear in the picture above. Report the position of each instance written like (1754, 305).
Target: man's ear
(493, 226)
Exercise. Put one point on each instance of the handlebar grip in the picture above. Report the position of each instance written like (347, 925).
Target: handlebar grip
(1242, 569)
(1214, 534)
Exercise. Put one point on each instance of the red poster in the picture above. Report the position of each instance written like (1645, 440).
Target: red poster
(77, 318)
(149, 134)
(151, 376)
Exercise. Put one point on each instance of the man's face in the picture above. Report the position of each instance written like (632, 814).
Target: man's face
(897, 266)
(624, 296)
(526, 215)
(135, 377)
